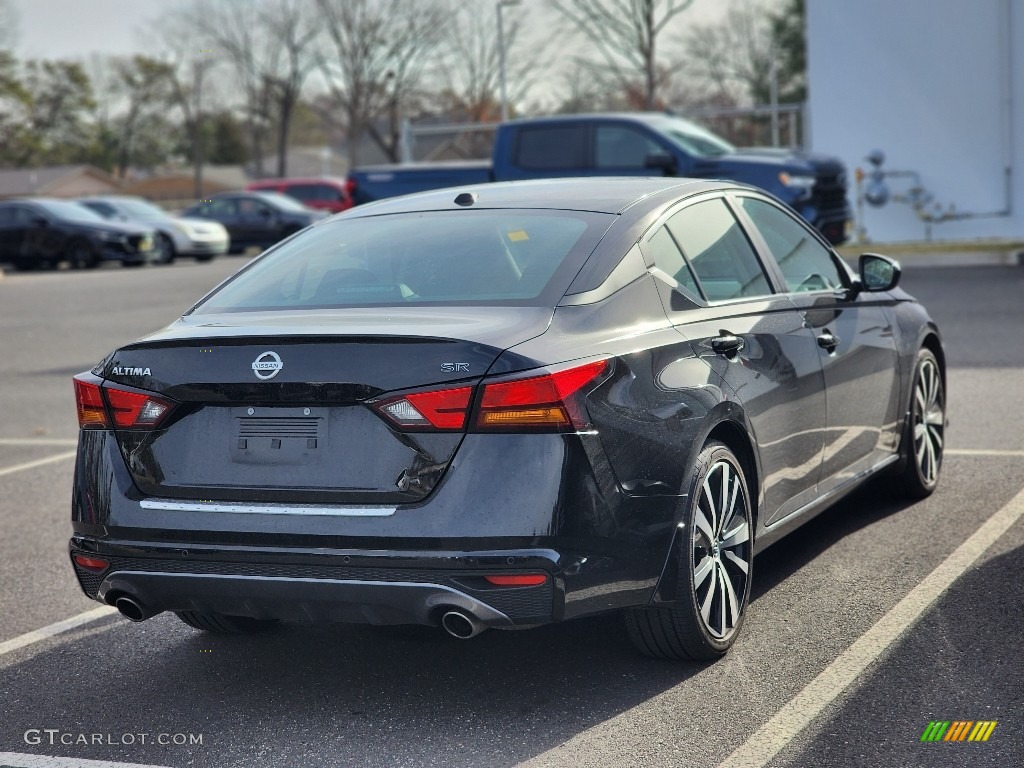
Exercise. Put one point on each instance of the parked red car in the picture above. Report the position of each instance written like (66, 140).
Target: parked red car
(325, 193)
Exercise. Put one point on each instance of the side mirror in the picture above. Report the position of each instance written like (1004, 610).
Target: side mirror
(39, 221)
(878, 273)
(661, 161)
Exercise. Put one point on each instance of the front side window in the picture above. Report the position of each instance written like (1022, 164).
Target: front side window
(622, 146)
(806, 264)
(721, 256)
(493, 257)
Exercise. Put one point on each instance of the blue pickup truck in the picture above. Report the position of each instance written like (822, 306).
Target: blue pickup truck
(630, 144)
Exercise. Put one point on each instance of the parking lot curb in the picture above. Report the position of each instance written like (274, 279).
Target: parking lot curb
(944, 253)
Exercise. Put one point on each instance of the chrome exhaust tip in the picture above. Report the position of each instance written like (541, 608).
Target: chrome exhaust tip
(462, 625)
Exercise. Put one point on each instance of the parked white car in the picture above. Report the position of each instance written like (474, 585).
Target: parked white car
(196, 238)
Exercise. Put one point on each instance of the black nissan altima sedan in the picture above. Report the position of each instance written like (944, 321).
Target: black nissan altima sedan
(501, 407)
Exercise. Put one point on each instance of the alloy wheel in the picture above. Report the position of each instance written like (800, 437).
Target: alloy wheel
(929, 419)
(721, 549)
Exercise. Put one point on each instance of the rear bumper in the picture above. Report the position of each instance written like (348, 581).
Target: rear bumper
(190, 246)
(320, 590)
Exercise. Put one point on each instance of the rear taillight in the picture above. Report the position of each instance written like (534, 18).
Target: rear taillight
(121, 408)
(136, 409)
(547, 403)
(351, 186)
(91, 412)
(442, 409)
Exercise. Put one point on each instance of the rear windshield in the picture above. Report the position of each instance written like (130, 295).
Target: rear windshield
(438, 257)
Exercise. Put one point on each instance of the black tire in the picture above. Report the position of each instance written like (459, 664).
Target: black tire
(715, 562)
(165, 247)
(224, 625)
(133, 264)
(82, 255)
(924, 435)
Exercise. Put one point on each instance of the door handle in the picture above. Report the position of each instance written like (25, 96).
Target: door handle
(727, 344)
(828, 342)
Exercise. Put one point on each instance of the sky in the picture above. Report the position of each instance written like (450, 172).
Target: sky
(77, 28)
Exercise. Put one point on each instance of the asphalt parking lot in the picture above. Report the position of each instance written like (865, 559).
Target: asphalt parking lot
(853, 642)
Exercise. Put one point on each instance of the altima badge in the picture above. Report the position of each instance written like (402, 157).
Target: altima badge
(267, 365)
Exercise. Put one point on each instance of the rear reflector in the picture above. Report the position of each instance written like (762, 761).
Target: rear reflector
(519, 580)
(91, 413)
(91, 563)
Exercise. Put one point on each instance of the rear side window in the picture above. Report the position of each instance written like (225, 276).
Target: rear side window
(721, 256)
(449, 257)
(553, 147)
(806, 264)
(669, 259)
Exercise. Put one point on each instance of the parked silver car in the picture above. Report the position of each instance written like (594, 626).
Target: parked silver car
(176, 237)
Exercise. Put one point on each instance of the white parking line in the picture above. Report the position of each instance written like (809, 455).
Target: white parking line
(17, 760)
(768, 740)
(30, 441)
(51, 630)
(37, 463)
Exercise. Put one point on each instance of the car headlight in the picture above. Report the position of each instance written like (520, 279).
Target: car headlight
(794, 181)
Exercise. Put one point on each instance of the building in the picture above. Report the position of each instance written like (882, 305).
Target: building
(56, 181)
(938, 86)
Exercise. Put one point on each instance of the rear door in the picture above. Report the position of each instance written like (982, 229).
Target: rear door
(10, 233)
(855, 336)
(720, 297)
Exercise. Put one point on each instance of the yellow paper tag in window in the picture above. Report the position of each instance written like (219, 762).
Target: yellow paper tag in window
(517, 236)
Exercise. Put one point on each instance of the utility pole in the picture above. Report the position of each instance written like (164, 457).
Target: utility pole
(501, 57)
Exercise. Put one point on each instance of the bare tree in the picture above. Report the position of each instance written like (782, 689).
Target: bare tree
(734, 55)
(470, 62)
(145, 86)
(270, 47)
(187, 68)
(373, 61)
(625, 35)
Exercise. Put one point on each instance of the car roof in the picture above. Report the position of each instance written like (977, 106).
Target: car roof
(612, 194)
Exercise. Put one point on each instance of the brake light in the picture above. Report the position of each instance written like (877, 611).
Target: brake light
(441, 409)
(91, 413)
(136, 410)
(518, 580)
(540, 402)
(351, 186)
